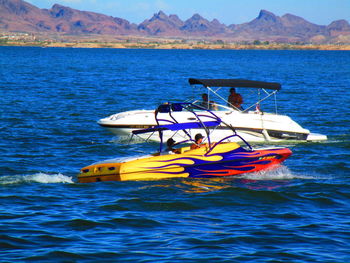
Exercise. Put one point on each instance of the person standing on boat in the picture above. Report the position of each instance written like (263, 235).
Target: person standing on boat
(235, 100)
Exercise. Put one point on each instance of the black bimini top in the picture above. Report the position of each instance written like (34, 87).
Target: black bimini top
(235, 83)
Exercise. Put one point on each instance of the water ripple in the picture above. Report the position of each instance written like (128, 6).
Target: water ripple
(36, 178)
(298, 212)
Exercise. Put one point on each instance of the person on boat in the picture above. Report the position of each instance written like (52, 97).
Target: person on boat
(205, 103)
(235, 100)
(170, 146)
(198, 142)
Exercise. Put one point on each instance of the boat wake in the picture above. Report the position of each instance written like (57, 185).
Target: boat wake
(126, 139)
(279, 172)
(36, 178)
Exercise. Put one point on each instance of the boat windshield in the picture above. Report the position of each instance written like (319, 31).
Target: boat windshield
(213, 106)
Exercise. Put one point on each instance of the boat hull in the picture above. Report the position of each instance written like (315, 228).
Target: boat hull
(226, 159)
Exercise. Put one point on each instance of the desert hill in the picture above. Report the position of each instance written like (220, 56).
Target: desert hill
(20, 16)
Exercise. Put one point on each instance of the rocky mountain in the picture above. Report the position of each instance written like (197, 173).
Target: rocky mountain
(17, 15)
(200, 26)
(338, 27)
(73, 21)
(288, 28)
(161, 25)
(20, 16)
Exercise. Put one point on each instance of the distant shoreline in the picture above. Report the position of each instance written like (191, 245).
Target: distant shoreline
(177, 45)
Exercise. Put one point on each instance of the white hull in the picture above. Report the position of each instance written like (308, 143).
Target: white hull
(251, 126)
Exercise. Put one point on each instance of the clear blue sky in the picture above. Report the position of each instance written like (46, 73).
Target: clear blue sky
(321, 12)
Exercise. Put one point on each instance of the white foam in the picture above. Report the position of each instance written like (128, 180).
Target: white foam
(279, 172)
(37, 178)
(127, 139)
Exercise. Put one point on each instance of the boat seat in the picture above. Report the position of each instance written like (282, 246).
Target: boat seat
(185, 149)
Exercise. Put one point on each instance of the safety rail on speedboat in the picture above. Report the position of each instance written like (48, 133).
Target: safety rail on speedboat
(174, 125)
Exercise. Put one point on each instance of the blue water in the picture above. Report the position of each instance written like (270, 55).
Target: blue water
(50, 100)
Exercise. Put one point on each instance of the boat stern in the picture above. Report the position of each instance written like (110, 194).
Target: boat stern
(100, 173)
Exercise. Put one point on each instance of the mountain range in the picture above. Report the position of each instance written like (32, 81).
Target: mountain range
(21, 16)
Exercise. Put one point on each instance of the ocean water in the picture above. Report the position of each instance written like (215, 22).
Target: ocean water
(50, 100)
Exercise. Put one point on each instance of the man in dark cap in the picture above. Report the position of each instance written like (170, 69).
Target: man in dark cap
(170, 146)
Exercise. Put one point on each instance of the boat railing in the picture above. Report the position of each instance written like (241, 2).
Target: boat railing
(212, 147)
(211, 115)
(205, 121)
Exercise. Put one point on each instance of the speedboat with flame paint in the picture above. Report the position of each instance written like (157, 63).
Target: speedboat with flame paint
(252, 123)
(210, 159)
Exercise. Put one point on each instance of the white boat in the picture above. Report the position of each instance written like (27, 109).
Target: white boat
(252, 124)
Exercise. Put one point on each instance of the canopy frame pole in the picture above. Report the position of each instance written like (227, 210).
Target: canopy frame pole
(275, 103)
(223, 99)
(259, 101)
